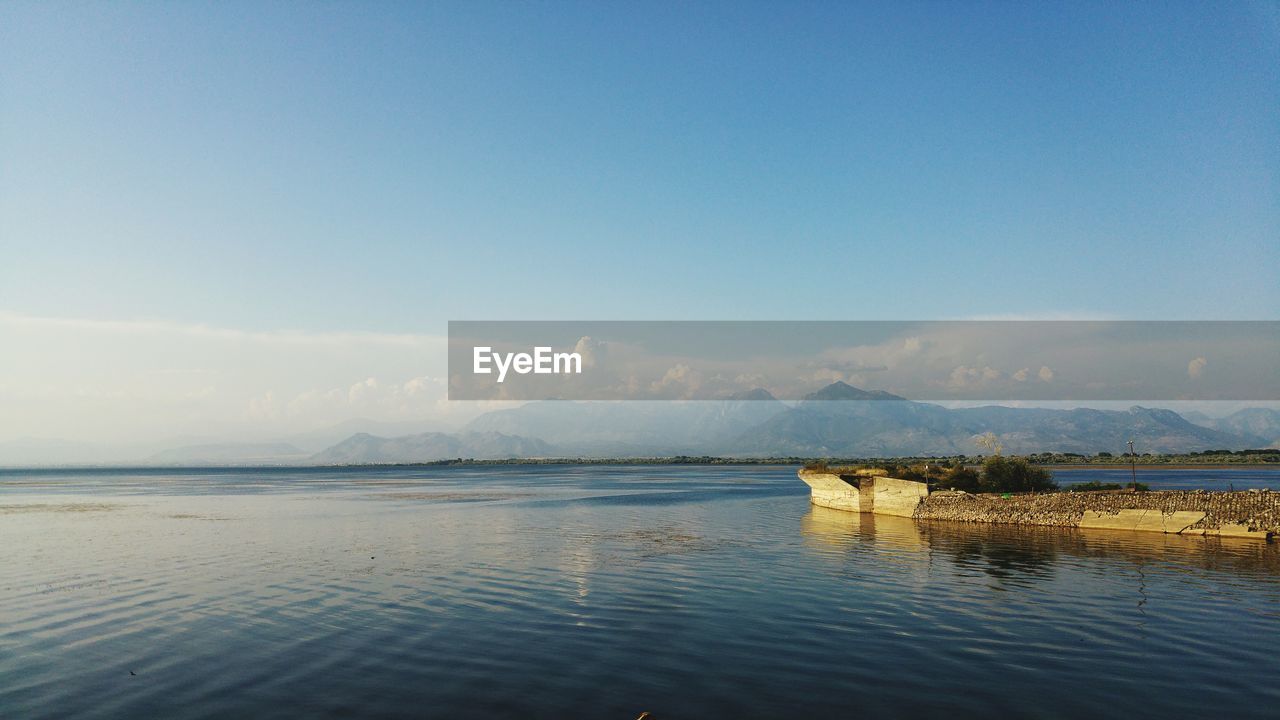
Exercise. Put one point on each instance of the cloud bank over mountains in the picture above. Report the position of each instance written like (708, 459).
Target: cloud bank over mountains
(125, 381)
(923, 360)
(88, 391)
(837, 421)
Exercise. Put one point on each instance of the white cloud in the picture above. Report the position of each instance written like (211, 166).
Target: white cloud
(198, 330)
(423, 384)
(361, 390)
(1045, 373)
(591, 350)
(679, 381)
(264, 408)
(414, 399)
(1195, 368)
(964, 375)
(127, 380)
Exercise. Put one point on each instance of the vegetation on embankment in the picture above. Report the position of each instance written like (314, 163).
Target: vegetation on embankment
(1207, 458)
(1095, 486)
(997, 474)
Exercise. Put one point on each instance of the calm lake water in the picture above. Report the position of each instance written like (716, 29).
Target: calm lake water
(601, 592)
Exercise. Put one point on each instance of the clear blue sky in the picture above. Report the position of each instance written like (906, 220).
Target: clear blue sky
(386, 167)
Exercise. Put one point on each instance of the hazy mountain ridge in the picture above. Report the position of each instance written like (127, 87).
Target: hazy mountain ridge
(230, 454)
(907, 428)
(837, 420)
(322, 438)
(635, 428)
(818, 426)
(1262, 425)
(363, 448)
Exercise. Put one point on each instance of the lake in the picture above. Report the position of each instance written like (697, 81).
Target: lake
(602, 592)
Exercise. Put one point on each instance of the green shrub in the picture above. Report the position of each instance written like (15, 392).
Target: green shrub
(961, 478)
(1014, 474)
(1093, 485)
(910, 472)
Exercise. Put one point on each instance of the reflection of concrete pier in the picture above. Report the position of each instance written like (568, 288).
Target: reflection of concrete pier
(838, 529)
(1005, 549)
(1250, 514)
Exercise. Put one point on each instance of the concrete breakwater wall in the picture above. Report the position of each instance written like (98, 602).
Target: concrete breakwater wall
(1254, 514)
(873, 494)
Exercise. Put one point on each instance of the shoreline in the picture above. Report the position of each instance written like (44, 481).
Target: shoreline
(1167, 466)
(677, 460)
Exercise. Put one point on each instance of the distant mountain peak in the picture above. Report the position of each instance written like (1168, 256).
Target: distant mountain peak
(363, 448)
(1168, 417)
(840, 390)
(753, 394)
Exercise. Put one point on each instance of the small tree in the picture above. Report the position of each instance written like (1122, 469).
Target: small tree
(962, 478)
(1014, 474)
(990, 441)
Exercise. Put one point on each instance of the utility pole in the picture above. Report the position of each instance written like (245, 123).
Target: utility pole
(1133, 467)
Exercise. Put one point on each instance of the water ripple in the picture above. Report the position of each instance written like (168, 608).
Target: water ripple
(600, 592)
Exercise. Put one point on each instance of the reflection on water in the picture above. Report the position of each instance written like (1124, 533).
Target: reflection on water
(1013, 550)
(599, 592)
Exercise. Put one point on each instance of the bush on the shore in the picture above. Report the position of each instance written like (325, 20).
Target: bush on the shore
(1014, 474)
(962, 478)
(999, 474)
(1094, 485)
(909, 472)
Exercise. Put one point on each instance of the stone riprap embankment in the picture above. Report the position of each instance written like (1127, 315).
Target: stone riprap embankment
(1240, 514)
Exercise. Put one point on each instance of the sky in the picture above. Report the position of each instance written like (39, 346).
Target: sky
(349, 175)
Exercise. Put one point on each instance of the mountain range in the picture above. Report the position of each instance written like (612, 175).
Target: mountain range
(837, 420)
(363, 448)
